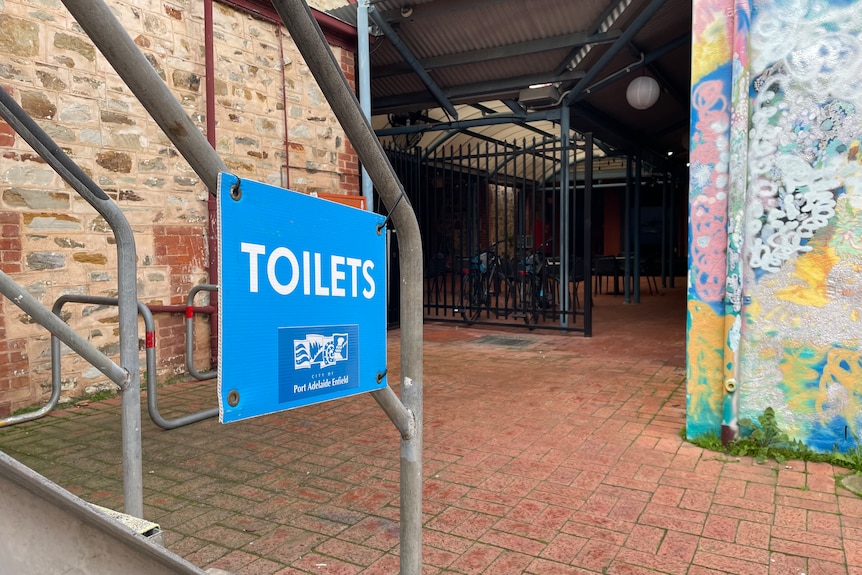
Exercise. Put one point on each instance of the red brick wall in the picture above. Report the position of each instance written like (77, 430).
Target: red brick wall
(183, 250)
(7, 134)
(348, 161)
(14, 366)
(10, 242)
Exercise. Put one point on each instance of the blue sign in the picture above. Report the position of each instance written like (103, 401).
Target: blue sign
(302, 300)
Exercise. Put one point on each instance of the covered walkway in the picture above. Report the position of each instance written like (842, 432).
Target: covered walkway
(545, 454)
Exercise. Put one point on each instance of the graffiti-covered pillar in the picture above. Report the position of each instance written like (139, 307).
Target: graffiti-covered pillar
(775, 243)
(711, 96)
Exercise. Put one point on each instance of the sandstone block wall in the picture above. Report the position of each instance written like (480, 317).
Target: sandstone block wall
(272, 125)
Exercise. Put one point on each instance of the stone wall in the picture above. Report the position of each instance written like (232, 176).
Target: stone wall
(272, 125)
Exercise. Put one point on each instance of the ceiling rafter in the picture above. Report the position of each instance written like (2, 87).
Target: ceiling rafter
(469, 93)
(499, 52)
(638, 23)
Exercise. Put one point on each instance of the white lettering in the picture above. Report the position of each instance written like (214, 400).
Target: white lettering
(253, 250)
(354, 264)
(330, 278)
(306, 277)
(337, 275)
(319, 289)
(278, 253)
(366, 267)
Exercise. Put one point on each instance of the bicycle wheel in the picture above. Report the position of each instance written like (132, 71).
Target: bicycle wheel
(509, 294)
(533, 301)
(471, 297)
(550, 289)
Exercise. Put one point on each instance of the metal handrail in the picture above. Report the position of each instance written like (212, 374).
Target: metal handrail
(150, 353)
(128, 376)
(42, 411)
(300, 23)
(190, 333)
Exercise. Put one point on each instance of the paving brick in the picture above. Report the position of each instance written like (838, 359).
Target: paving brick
(807, 550)
(821, 540)
(826, 523)
(545, 567)
(645, 538)
(621, 568)
(781, 564)
(350, 552)
(728, 564)
(316, 563)
(564, 548)
(736, 550)
(753, 534)
(476, 559)
(651, 561)
(513, 542)
(667, 495)
(853, 550)
(509, 563)
(818, 567)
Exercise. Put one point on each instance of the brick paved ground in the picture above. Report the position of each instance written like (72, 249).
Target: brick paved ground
(561, 455)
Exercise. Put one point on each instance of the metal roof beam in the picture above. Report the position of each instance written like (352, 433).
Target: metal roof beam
(647, 61)
(469, 93)
(608, 16)
(414, 63)
(627, 36)
(575, 40)
(515, 107)
(437, 9)
(465, 124)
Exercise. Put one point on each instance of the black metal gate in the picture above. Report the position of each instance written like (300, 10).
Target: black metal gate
(493, 233)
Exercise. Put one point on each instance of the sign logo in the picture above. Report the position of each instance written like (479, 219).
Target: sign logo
(319, 350)
(315, 360)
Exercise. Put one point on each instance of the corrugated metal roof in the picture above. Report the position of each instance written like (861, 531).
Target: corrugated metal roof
(482, 51)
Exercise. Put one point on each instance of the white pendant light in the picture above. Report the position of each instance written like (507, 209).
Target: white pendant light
(642, 93)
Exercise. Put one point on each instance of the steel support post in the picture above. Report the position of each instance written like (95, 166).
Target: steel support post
(664, 224)
(636, 231)
(588, 235)
(565, 215)
(364, 81)
(312, 45)
(627, 225)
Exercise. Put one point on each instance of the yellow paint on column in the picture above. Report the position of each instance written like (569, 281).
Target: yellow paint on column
(844, 368)
(812, 269)
(705, 372)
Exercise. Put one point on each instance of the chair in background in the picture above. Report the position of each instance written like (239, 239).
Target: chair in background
(606, 268)
(576, 276)
(650, 269)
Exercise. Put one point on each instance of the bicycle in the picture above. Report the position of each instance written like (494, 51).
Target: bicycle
(538, 291)
(484, 281)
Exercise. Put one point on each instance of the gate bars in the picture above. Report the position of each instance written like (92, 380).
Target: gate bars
(512, 197)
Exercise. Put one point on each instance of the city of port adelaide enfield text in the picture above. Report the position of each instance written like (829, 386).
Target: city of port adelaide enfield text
(302, 300)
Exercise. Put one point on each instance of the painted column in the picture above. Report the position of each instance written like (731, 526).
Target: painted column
(802, 272)
(775, 282)
(712, 25)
